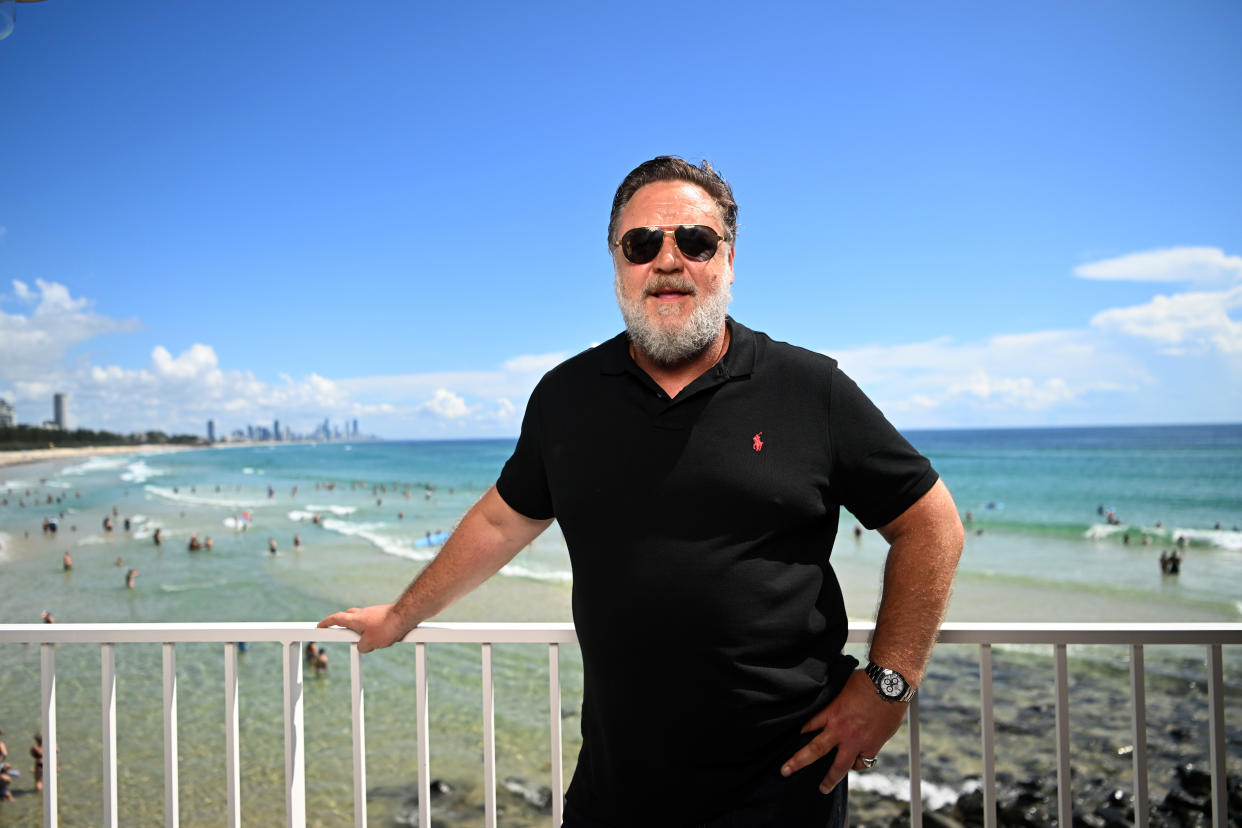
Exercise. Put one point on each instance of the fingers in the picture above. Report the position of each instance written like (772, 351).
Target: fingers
(810, 752)
(339, 619)
(840, 767)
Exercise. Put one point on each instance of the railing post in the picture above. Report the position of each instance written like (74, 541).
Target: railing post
(232, 754)
(295, 741)
(916, 771)
(424, 744)
(987, 725)
(1216, 736)
(558, 768)
(360, 736)
(172, 815)
(489, 740)
(107, 703)
(1138, 697)
(1065, 800)
(47, 657)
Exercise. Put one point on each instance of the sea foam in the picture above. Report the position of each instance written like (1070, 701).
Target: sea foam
(139, 472)
(935, 796)
(167, 493)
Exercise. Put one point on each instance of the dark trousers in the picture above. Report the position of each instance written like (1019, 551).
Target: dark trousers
(777, 802)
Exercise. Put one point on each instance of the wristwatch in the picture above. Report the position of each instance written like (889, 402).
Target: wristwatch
(890, 684)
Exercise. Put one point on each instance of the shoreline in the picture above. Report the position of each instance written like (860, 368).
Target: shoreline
(23, 457)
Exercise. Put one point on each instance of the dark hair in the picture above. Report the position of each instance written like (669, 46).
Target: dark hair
(672, 168)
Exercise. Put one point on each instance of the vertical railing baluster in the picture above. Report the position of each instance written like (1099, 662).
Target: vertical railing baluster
(172, 815)
(1216, 736)
(107, 704)
(916, 771)
(424, 744)
(1065, 805)
(1138, 698)
(489, 740)
(987, 726)
(47, 657)
(360, 736)
(295, 737)
(554, 714)
(232, 753)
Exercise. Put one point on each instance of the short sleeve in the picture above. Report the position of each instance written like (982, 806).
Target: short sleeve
(876, 473)
(523, 482)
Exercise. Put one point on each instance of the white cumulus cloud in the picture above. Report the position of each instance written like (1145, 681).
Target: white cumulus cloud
(1182, 323)
(447, 405)
(1205, 265)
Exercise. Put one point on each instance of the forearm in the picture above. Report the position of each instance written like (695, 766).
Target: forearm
(488, 537)
(925, 546)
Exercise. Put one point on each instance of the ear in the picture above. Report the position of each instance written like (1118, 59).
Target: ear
(732, 250)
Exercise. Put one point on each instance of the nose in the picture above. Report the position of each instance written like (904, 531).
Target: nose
(669, 259)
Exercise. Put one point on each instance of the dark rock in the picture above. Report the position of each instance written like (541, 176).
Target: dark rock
(969, 808)
(1194, 780)
(1180, 801)
(440, 788)
(1180, 734)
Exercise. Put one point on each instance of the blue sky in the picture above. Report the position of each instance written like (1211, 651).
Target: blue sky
(991, 214)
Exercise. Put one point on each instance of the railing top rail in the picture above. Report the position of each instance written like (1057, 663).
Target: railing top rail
(547, 633)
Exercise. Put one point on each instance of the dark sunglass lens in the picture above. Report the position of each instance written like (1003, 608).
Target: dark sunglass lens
(697, 241)
(642, 244)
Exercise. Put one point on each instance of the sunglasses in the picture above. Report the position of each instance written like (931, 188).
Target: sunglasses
(697, 242)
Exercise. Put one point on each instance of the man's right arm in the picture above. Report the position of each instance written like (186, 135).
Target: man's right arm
(488, 537)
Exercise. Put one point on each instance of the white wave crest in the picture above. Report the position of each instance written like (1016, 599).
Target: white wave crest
(94, 464)
(402, 547)
(140, 472)
(196, 499)
(1220, 538)
(339, 511)
(557, 576)
(1100, 531)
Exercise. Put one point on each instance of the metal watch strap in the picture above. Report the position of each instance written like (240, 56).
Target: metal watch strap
(877, 674)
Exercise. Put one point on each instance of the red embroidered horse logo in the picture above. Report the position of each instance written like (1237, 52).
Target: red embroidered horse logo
(758, 442)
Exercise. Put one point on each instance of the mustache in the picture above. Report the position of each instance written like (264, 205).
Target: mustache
(661, 284)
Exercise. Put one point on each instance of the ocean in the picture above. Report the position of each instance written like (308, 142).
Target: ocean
(1062, 524)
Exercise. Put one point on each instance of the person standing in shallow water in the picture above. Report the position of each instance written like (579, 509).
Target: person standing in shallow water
(738, 452)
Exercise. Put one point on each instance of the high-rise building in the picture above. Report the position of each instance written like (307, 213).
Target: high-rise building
(355, 432)
(276, 429)
(60, 407)
(211, 431)
(8, 417)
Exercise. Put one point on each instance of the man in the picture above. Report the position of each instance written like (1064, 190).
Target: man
(697, 469)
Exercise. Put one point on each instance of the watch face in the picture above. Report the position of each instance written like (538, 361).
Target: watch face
(892, 685)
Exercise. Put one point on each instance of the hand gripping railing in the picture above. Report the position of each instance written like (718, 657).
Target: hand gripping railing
(292, 635)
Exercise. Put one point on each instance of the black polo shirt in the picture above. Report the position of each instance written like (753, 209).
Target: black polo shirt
(699, 530)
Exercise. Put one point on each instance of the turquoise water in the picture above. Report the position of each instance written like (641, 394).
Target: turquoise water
(1038, 548)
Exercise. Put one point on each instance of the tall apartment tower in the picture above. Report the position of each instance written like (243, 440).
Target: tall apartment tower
(60, 408)
(276, 430)
(211, 431)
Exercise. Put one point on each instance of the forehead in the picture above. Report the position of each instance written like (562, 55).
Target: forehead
(670, 202)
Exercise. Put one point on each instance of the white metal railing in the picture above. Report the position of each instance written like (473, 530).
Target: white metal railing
(292, 635)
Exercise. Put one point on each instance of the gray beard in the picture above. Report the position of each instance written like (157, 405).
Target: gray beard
(675, 346)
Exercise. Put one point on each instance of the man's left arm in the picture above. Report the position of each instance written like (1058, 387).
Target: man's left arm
(925, 543)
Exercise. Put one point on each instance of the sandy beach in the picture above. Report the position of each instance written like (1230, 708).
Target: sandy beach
(20, 457)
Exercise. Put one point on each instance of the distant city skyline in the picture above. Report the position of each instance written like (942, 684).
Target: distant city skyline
(991, 215)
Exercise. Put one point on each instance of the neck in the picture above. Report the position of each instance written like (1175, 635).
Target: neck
(674, 378)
